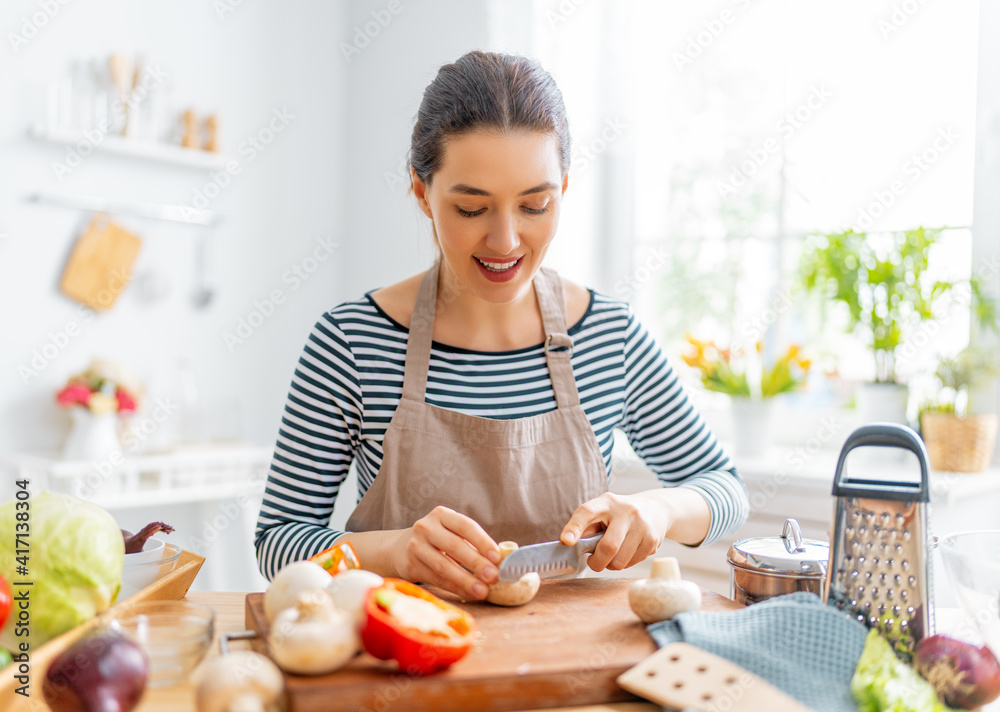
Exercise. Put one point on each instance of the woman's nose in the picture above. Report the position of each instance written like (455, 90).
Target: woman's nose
(503, 236)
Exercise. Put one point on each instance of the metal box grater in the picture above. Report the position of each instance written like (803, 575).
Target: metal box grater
(880, 563)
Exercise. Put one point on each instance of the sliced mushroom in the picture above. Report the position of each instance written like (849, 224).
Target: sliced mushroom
(513, 593)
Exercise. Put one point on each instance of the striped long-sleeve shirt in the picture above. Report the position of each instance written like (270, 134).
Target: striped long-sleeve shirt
(349, 380)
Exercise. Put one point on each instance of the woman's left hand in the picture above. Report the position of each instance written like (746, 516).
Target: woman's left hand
(634, 527)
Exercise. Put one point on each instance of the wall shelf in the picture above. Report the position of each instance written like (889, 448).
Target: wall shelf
(155, 211)
(144, 150)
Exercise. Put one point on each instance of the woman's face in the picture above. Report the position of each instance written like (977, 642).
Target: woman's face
(495, 205)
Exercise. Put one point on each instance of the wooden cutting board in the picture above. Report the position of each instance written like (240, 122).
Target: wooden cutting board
(565, 647)
(100, 266)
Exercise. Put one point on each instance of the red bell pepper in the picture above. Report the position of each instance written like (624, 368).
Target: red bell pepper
(5, 601)
(389, 636)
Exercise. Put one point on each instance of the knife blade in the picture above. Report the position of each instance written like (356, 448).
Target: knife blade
(550, 559)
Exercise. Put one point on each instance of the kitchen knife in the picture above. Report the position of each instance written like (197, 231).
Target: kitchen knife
(551, 559)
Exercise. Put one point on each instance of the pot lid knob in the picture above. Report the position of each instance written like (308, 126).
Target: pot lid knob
(791, 526)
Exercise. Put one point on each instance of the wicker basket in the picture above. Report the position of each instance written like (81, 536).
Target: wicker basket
(959, 444)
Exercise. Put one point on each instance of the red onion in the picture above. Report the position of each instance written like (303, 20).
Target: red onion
(963, 675)
(101, 672)
(135, 542)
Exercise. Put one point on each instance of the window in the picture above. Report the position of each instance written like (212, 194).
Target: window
(747, 126)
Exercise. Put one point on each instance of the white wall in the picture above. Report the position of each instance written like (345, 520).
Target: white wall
(244, 65)
(387, 238)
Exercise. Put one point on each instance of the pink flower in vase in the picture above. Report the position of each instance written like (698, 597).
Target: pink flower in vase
(126, 403)
(74, 394)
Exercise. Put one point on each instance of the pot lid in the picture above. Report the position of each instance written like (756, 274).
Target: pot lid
(788, 554)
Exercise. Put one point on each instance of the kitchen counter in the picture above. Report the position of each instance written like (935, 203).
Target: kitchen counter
(229, 609)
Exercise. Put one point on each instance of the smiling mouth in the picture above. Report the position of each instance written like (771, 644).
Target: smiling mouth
(498, 266)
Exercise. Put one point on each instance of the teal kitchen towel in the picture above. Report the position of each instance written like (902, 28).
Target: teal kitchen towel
(794, 641)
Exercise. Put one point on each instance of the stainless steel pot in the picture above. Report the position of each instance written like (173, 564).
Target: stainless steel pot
(764, 567)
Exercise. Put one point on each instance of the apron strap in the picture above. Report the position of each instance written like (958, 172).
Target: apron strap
(558, 342)
(418, 343)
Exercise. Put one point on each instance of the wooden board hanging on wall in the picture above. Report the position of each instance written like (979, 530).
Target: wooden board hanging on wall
(100, 265)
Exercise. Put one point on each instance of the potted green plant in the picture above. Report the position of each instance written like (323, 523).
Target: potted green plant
(957, 441)
(882, 283)
(750, 382)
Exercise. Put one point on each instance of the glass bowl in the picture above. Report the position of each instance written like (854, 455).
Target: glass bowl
(136, 576)
(972, 560)
(174, 634)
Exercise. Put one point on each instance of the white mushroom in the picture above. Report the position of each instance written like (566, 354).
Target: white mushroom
(664, 594)
(513, 593)
(289, 583)
(348, 590)
(313, 637)
(241, 681)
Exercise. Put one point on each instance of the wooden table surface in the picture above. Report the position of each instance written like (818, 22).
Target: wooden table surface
(229, 609)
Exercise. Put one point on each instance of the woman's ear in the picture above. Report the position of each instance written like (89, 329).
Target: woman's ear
(420, 191)
(565, 182)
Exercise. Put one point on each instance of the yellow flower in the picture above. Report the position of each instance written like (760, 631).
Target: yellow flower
(102, 403)
(695, 342)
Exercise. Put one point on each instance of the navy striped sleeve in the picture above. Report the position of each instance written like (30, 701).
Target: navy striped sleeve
(671, 437)
(316, 443)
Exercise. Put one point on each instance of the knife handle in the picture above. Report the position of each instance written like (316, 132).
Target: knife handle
(588, 544)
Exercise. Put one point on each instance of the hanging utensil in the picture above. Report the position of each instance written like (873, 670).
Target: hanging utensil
(203, 292)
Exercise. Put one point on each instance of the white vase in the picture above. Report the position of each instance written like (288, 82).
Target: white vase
(93, 436)
(882, 402)
(751, 426)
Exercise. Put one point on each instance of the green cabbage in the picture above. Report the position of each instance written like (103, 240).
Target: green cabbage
(75, 558)
(883, 683)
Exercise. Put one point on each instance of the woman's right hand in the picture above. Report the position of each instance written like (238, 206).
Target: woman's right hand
(449, 550)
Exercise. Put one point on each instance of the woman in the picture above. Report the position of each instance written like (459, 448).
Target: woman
(483, 416)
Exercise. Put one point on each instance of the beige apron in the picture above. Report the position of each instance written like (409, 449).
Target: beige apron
(519, 479)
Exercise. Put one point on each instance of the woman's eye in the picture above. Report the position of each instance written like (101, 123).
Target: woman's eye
(536, 211)
(471, 213)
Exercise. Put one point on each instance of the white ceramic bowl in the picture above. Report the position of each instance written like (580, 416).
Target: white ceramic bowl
(152, 551)
(137, 575)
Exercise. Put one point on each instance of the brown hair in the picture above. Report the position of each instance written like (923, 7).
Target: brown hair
(486, 90)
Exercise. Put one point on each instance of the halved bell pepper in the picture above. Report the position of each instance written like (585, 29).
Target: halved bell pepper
(337, 559)
(415, 628)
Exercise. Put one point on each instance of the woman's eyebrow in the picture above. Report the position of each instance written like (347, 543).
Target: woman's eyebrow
(466, 189)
